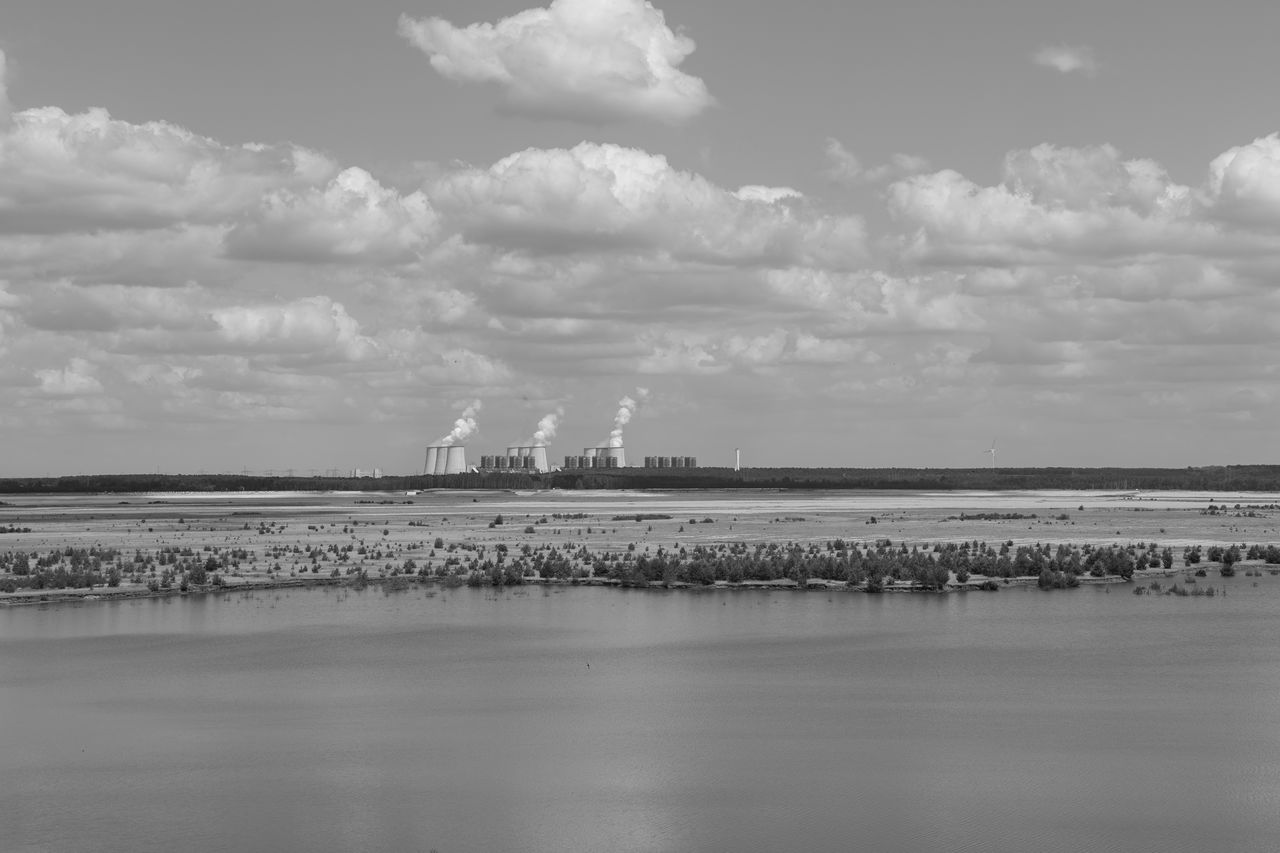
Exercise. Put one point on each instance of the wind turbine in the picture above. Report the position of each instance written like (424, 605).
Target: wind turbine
(992, 451)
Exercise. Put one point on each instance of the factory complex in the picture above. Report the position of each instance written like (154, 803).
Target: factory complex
(449, 455)
(451, 459)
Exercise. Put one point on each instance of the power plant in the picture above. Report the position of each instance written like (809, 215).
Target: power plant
(448, 455)
(446, 459)
(671, 462)
(519, 457)
(598, 457)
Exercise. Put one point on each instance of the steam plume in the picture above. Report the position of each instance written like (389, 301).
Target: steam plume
(627, 407)
(464, 427)
(5, 109)
(547, 427)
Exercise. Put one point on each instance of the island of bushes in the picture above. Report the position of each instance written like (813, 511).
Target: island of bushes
(869, 567)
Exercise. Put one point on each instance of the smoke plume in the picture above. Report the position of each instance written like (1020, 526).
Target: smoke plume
(547, 427)
(464, 427)
(627, 407)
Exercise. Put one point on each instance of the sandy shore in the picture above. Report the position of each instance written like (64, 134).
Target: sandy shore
(269, 540)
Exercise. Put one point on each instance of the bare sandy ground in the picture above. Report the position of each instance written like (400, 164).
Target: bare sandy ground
(379, 532)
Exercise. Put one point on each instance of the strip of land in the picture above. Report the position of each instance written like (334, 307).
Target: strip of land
(107, 546)
(1254, 478)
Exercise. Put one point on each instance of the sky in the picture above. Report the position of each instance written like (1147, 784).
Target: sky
(308, 234)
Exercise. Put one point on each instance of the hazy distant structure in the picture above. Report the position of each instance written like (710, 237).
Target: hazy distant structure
(671, 462)
(992, 451)
(597, 457)
(608, 456)
(610, 453)
(448, 456)
(737, 459)
(456, 460)
(446, 459)
(521, 457)
(532, 457)
(361, 472)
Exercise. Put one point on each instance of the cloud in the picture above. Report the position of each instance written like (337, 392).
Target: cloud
(315, 324)
(1054, 203)
(1067, 59)
(844, 167)
(64, 307)
(183, 280)
(352, 218)
(608, 198)
(76, 379)
(584, 60)
(672, 354)
(5, 108)
(63, 172)
(768, 195)
(1244, 182)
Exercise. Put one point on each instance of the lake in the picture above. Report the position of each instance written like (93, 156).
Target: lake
(587, 719)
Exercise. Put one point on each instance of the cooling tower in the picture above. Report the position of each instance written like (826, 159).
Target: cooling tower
(456, 460)
(606, 454)
(430, 467)
(539, 455)
(442, 457)
(591, 452)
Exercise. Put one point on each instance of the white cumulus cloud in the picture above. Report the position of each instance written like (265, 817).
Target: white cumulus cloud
(352, 218)
(611, 198)
(1054, 202)
(62, 172)
(1244, 181)
(312, 325)
(588, 60)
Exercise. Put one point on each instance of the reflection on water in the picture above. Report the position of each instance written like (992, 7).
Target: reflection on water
(587, 719)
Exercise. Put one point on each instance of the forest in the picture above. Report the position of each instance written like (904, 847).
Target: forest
(1256, 478)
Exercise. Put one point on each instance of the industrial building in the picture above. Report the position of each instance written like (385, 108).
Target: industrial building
(531, 457)
(671, 462)
(614, 455)
(598, 457)
(446, 459)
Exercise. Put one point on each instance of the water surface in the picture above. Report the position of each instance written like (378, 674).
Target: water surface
(581, 719)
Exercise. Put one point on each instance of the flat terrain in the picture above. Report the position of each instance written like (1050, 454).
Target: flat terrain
(274, 537)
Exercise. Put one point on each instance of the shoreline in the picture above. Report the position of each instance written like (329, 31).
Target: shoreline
(405, 583)
(83, 549)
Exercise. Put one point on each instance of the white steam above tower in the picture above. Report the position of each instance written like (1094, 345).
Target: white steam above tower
(449, 454)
